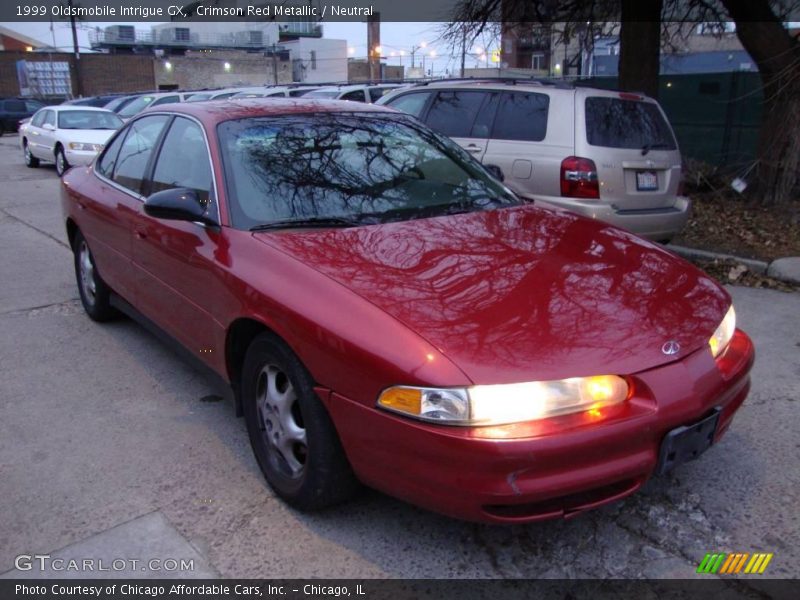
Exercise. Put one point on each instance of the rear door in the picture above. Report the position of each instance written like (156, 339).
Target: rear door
(43, 138)
(110, 216)
(631, 143)
(531, 134)
(463, 115)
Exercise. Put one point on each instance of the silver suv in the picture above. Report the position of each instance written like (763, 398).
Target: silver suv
(604, 154)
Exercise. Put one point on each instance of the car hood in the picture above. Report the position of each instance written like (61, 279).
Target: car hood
(87, 136)
(523, 293)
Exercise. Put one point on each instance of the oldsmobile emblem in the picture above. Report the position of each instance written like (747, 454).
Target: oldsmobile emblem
(671, 347)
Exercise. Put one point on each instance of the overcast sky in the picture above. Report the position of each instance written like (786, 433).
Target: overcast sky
(395, 37)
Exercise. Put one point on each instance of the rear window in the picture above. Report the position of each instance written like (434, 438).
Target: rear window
(620, 123)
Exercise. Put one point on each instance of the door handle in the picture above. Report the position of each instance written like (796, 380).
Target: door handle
(473, 149)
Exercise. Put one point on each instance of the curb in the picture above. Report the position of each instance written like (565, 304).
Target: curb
(785, 269)
(757, 266)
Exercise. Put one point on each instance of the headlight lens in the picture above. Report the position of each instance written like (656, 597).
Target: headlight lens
(506, 403)
(724, 333)
(85, 147)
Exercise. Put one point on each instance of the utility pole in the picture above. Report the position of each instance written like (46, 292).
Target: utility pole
(463, 46)
(76, 52)
(274, 63)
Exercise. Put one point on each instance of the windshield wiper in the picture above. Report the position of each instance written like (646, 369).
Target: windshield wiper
(307, 222)
(655, 146)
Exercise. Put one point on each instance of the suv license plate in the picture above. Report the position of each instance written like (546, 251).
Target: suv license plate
(687, 442)
(646, 181)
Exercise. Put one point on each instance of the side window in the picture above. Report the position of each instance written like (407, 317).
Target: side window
(356, 95)
(411, 103)
(17, 106)
(49, 118)
(522, 116)
(376, 93)
(38, 118)
(107, 160)
(136, 150)
(183, 162)
(453, 113)
(165, 100)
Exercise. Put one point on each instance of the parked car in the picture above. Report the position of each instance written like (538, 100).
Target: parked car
(275, 91)
(96, 101)
(212, 95)
(120, 102)
(386, 312)
(604, 154)
(145, 100)
(66, 135)
(356, 93)
(14, 110)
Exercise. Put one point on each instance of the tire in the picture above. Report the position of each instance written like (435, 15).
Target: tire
(61, 161)
(30, 160)
(95, 294)
(293, 438)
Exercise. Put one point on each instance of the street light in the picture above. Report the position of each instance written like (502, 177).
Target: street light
(414, 51)
(351, 51)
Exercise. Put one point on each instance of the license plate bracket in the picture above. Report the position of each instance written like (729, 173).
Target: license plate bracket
(687, 442)
(646, 181)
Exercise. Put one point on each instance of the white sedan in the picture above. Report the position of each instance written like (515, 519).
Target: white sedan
(67, 135)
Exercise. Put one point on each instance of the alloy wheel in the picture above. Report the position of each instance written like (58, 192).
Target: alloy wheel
(281, 421)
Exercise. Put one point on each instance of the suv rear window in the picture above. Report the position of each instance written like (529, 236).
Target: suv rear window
(619, 123)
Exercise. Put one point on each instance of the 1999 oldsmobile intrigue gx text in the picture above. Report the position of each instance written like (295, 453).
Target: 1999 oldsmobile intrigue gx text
(389, 313)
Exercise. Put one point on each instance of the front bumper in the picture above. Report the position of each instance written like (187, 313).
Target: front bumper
(553, 468)
(77, 158)
(658, 224)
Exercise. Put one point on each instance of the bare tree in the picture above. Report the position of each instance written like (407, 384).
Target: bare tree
(646, 26)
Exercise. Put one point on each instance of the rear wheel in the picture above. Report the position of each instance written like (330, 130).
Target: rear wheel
(61, 161)
(30, 160)
(95, 294)
(293, 438)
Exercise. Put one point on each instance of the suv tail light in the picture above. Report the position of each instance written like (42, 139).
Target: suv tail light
(579, 178)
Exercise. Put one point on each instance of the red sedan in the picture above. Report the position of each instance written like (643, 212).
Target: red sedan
(387, 312)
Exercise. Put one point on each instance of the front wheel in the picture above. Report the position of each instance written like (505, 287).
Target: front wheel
(293, 438)
(30, 160)
(95, 294)
(61, 162)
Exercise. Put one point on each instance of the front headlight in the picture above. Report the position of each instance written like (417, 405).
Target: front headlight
(83, 147)
(724, 333)
(505, 403)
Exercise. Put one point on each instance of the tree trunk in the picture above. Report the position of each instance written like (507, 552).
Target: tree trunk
(640, 46)
(777, 55)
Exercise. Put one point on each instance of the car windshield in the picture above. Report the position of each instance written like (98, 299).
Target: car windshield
(323, 94)
(88, 119)
(350, 168)
(620, 123)
(136, 106)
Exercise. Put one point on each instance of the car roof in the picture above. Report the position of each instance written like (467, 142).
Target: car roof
(212, 112)
(348, 87)
(73, 107)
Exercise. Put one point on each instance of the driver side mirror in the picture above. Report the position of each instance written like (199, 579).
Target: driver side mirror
(178, 204)
(49, 127)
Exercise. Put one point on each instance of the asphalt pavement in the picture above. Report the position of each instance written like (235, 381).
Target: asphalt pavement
(112, 448)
